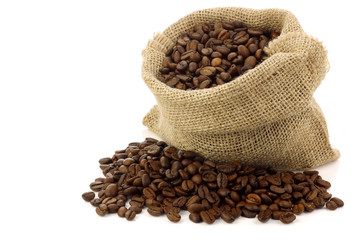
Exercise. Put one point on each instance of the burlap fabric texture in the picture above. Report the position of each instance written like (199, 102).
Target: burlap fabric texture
(266, 117)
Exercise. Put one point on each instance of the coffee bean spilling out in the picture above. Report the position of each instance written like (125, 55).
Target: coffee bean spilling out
(166, 180)
(213, 54)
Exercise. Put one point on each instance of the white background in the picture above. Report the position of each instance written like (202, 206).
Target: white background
(71, 92)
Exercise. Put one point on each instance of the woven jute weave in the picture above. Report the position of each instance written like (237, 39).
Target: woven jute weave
(266, 117)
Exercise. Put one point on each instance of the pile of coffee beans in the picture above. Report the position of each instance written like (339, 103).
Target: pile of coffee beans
(212, 54)
(166, 180)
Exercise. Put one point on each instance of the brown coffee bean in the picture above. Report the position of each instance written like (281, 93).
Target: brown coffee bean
(276, 189)
(309, 207)
(319, 202)
(287, 217)
(265, 215)
(227, 217)
(96, 186)
(187, 185)
(88, 196)
(101, 212)
(243, 51)
(207, 217)
(250, 62)
(195, 208)
(254, 32)
(155, 211)
(111, 190)
(253, 198)
(338, 201)
(195, 217)
(331, 205)
(276, 214)
(96, 202)
(130, 215)
(247, 213)
(216, 62)
(149, 193)
(298, 209)
(173, 216)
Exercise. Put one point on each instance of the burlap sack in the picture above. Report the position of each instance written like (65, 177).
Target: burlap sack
(266, 117)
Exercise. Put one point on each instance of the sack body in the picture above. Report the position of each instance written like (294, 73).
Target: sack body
(266, 117)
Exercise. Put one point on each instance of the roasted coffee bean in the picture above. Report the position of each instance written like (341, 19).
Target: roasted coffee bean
(88, 196)
(253, 198)
(111, 190)
(319, 202)
(287, 217)
(265, 215)
(101, 212)
(155, 211)
(130, 215)
(207, 217)
(338, 201)
(331, 205)
(168, 180)
(96, 202)
(298, 209)
(309, 207)
(195, 208)
(96, 186)
(247, 213)
(195, 217)
(227, 217)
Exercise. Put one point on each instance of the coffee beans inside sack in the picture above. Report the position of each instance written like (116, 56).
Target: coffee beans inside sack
(163, 181)
(237, 84)
(212, 54)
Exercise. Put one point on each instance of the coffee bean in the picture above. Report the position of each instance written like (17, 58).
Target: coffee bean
(250, 62)
(287, 217)
(253, 198)
(227, 217)
(207, 217)
(101, 212)
(338, 201)
(173, 216)
(195, 217)
(331, 205)
(309, 207)
(88, 196)
(130, 215)
(298, 209)
(265, 215)
(105, 160)
(111, 190)
(247, 213)
(187, 185)
(96, 186)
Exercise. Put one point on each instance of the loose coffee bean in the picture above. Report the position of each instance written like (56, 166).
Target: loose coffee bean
(173, 216)
(227, 217)
(253, 198)
(88, 196)
(130, 215)
(101, 212)
(265, 215)
(298, 209)
(207, 217)
(331, 205)
(111, 190)
(338, 201)
(195, 217)
(287, 217)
